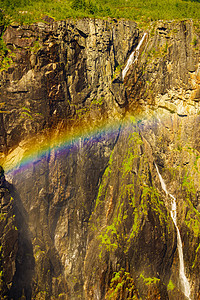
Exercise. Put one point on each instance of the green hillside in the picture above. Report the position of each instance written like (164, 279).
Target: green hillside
(27, 11)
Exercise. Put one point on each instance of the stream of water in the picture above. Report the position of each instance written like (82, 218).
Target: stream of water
(185, 287)
(134, 56)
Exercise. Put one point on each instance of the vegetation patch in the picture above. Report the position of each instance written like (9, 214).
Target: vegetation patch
(149, 280)
(170, 286)
(132, 200)
(122, 286)
(29, 11)
(192, 217)
(196, 260)
(6, 56)
(192, 221)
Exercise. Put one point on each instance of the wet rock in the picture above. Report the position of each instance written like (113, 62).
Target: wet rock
(8, 238)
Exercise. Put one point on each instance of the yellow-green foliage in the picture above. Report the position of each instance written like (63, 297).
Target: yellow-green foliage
(188, 184)
(196, 163)
(192, 218)
(117, 71)
(197, 26)
(170, 286)
(26, 11)
(102, 188)
(149, 280)
(127, 164)
(6, 62)
(122, 282)
(111, 236)
(106, 237)
(157, 205)
(83, 113)
(193, 224)
(196, 260)
(3, 216)
(36, 47)
(27, 114)
(149, 198)
(133, 195)
(6, 57)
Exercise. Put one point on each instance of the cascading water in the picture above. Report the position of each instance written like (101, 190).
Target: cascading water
(183, 279)
(134, 56)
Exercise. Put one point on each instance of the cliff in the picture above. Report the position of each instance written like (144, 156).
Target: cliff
(80, 147)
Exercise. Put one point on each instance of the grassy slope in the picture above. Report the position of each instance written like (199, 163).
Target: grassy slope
(28, 11)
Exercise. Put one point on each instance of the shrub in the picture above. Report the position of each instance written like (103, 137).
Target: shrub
(78, 4)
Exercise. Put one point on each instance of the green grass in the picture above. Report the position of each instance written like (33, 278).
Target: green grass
(28, 11)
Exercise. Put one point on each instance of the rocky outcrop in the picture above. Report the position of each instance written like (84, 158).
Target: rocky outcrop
(8, 238)
(167, 75)
(16, 260)
(92, 219)
(59, 70)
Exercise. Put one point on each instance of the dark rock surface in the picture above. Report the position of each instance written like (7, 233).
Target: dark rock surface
(58, 69)
(8, 238)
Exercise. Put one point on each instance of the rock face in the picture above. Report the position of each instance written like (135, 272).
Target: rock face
(92, 219)
(57, 70)
(9, 238)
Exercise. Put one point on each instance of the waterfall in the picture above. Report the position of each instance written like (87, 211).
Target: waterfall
(183, 279)
(133, 57)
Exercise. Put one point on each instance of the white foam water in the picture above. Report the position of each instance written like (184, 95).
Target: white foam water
(133, 57)
(185, 287)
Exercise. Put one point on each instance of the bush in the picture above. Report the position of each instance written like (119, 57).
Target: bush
(141, 11)
(1, 18)
(12, 4)
(78, 4)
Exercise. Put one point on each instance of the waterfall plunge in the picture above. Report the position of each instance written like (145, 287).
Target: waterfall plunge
(183, 279)
(134, 56)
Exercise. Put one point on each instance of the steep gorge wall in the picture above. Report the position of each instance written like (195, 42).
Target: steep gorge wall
(93, 221)
(60, 68)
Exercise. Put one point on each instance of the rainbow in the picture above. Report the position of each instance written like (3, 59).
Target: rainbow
(37, 147)
(41, 145)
